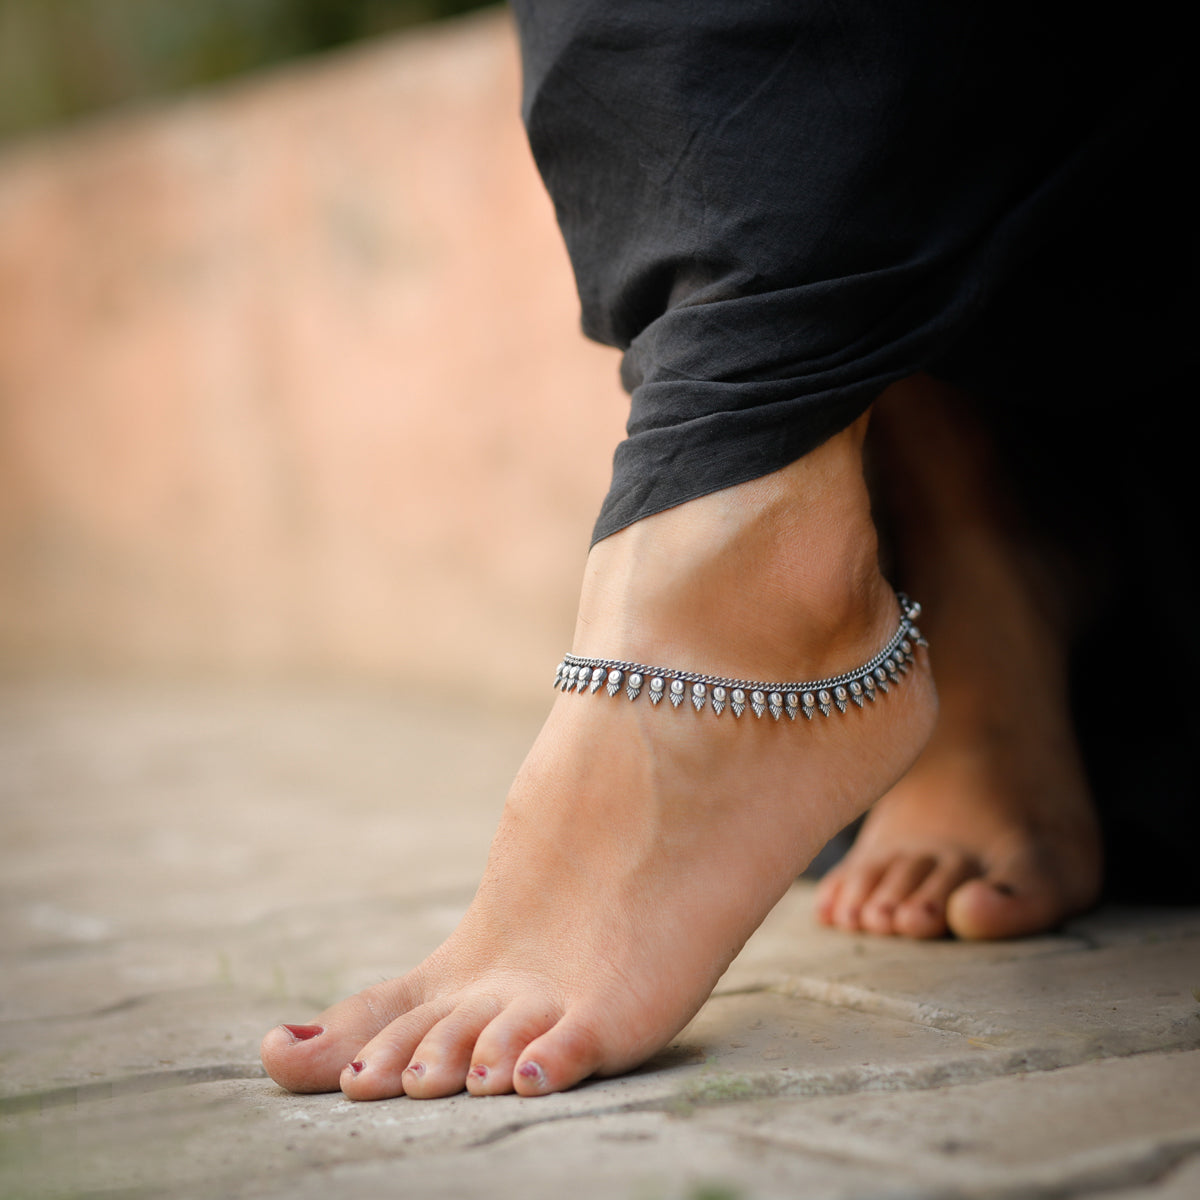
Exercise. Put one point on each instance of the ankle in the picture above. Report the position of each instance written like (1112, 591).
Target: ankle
(775, 577)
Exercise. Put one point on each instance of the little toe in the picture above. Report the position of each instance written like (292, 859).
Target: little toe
(565, 1054)
(828, 889)
(923, 913)
(378, 1071)
(500, 1045)
(857, 885)
(441, 1061)
(310, 1057)
(903, 876)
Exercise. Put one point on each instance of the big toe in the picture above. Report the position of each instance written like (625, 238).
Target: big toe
(1015, 898)
(311, 1057)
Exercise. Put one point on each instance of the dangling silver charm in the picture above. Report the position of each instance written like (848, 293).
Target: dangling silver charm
(866, 682)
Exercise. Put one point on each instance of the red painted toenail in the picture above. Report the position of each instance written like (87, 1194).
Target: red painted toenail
(417, 1068)
(301, 1033)
(532, 1072)
(357, 1067)
(478, 1072)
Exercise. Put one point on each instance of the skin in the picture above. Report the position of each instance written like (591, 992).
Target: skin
(640, 847)
(993, 833)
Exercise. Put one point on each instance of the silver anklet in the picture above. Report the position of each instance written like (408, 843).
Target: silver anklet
(819, 695)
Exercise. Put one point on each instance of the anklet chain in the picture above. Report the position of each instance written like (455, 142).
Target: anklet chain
(579, 674)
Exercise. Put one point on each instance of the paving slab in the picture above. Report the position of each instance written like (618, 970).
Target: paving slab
(1119, 1120)
(182, 866)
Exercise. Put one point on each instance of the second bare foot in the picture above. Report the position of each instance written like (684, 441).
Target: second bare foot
(992, 834)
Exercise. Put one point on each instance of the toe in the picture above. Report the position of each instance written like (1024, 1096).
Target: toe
(923, 913)
(570, 1051)
(988, 909)
(828, 890)
(903, 876)
(984, 909)
(379, 1070)
(1018, 895)
(500, 1045)
(310, 1058)
(441, 1061)
(858, 882)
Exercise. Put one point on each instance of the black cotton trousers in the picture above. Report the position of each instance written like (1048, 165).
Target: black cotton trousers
(775, 208)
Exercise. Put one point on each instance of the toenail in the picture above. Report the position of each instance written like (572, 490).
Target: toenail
(417, 1069)
(301, 1033)
(533, 1073)
(357, 1067)
(478, 1072)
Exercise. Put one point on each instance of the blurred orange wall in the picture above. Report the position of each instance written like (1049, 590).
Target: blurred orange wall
(291, 381)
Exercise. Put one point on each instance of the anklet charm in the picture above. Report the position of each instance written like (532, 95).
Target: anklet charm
(862, 684)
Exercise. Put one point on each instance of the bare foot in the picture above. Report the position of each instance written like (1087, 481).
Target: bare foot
(992, 834)
(640, 845)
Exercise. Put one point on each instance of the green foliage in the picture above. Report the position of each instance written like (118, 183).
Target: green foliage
(60, 58)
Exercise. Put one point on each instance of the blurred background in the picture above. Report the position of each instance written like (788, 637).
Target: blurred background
(62, 58)
(291, 383)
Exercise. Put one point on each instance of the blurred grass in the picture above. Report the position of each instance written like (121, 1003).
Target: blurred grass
(62, 58)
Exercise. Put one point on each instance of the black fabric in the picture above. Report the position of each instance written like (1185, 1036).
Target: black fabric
(777, 207)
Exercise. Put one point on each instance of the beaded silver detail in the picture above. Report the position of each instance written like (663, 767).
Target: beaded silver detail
(858, 687)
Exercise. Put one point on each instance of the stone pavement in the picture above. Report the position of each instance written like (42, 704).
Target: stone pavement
(182, 866)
